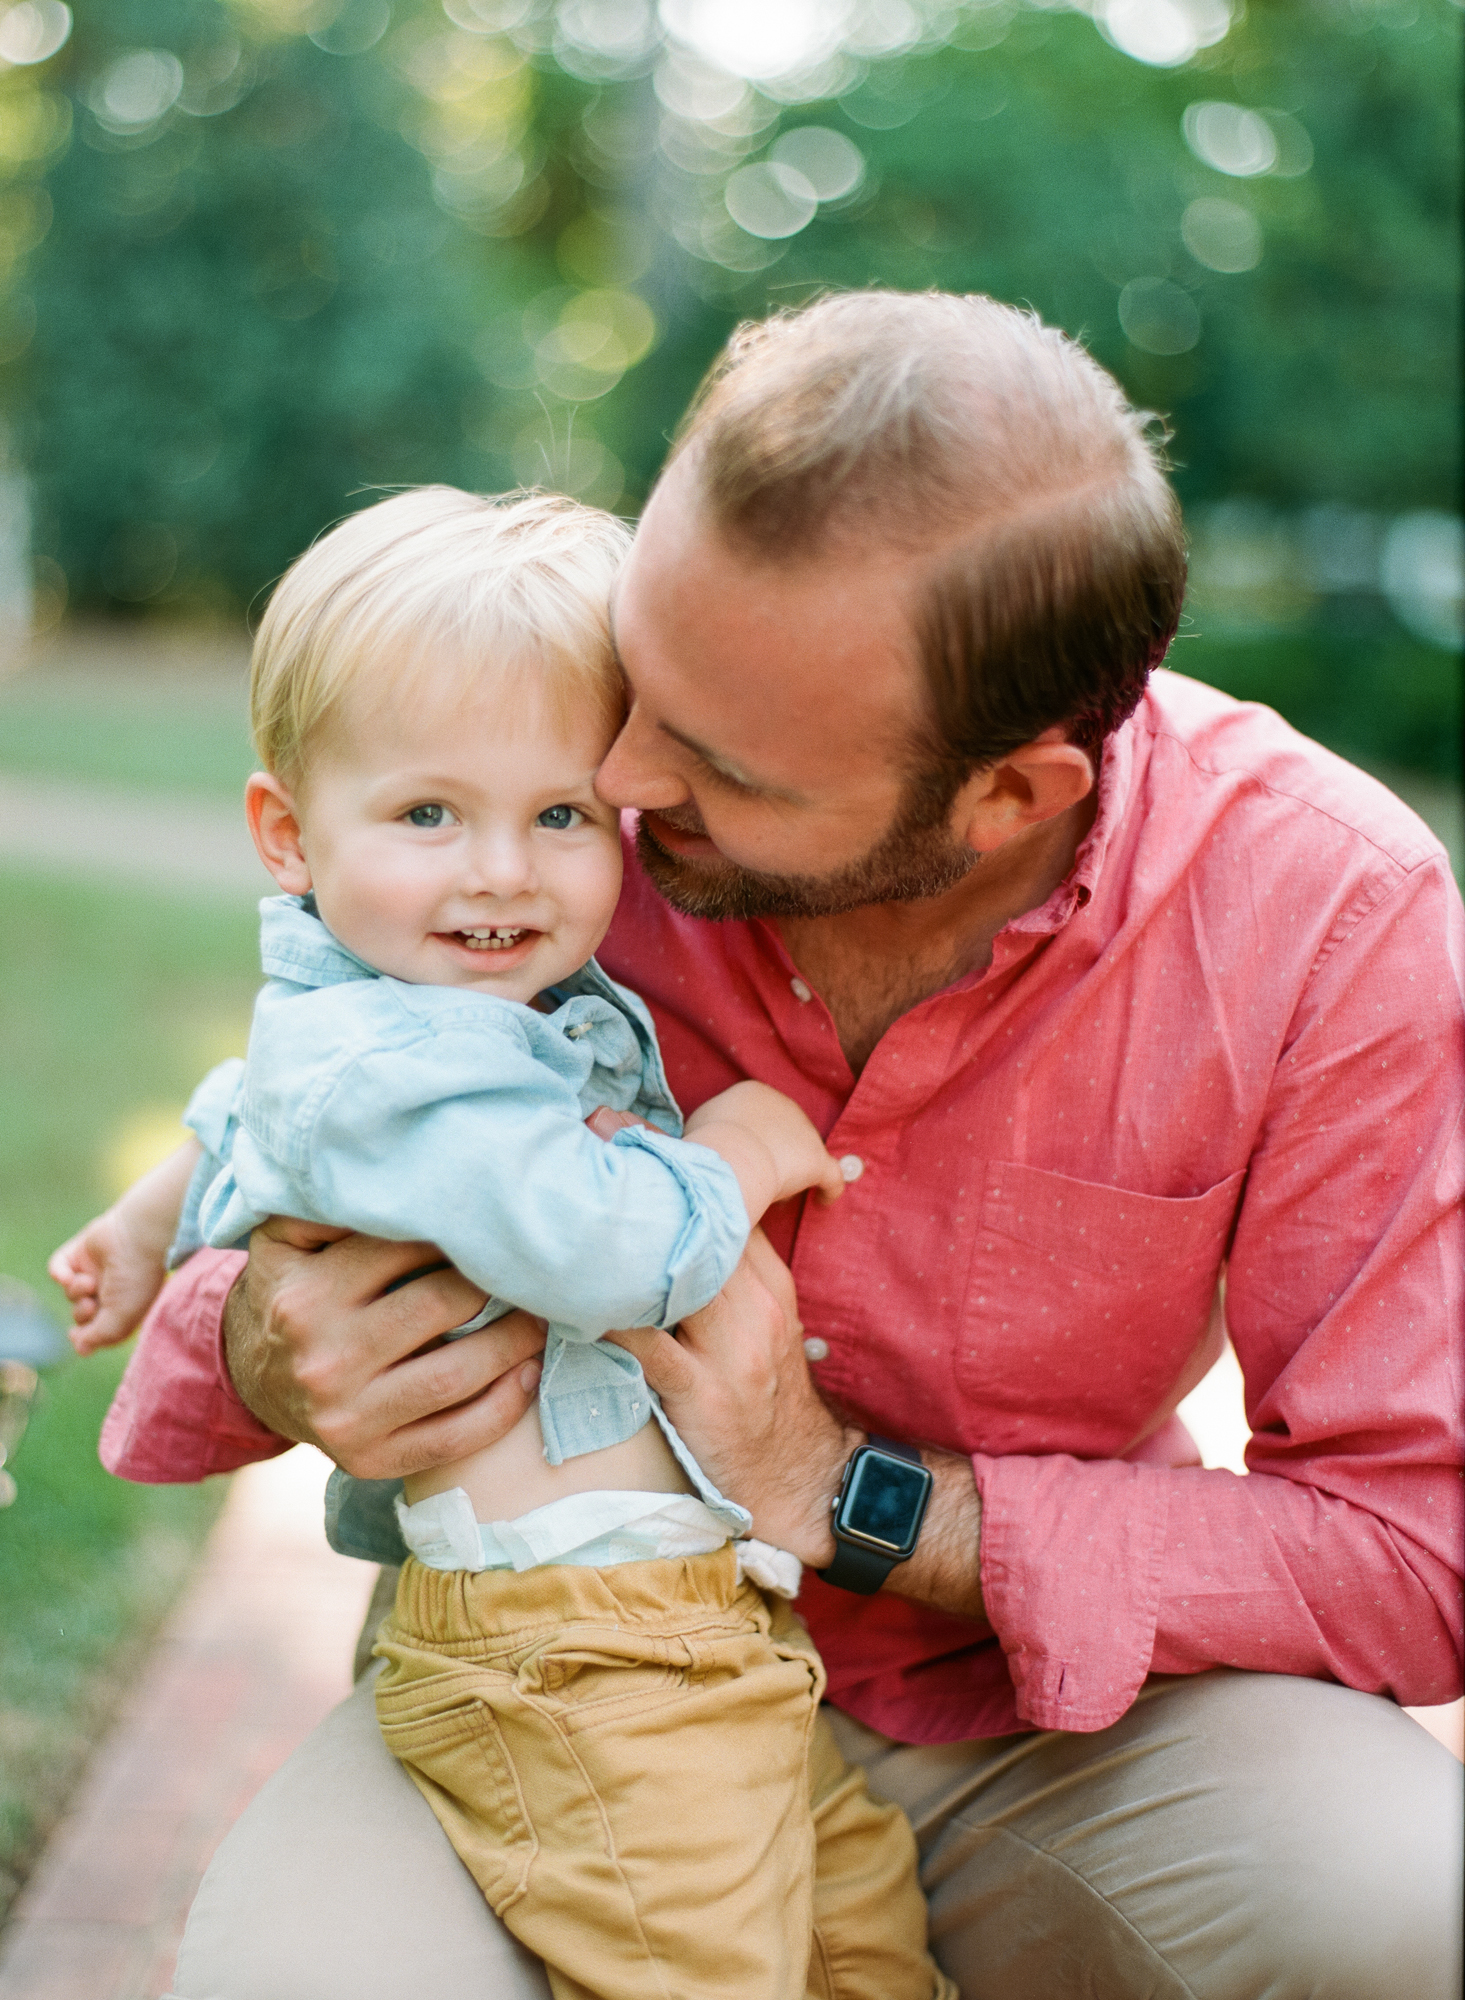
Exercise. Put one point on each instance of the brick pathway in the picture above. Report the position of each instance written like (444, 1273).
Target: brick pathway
(256, 1653)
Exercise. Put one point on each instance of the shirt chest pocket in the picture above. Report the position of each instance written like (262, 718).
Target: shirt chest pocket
(1084, 1305)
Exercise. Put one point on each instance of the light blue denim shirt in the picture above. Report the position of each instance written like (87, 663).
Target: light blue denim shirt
(434, 1114)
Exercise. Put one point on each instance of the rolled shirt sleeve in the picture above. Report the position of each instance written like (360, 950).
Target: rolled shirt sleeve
(176, 1416)
(212, 1116)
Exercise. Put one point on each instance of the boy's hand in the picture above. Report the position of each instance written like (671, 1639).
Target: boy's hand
(769, 1143)
(111, 1274)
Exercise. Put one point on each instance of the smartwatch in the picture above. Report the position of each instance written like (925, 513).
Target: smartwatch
(878, 1512)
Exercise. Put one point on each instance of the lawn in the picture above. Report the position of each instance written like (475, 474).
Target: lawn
(159, 731)
(111, 1005)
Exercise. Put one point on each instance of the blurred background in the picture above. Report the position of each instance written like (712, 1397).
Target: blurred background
(259, 258)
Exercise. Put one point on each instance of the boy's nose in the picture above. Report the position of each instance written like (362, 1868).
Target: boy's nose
(499, 867)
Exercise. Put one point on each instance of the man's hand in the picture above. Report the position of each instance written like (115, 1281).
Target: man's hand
(735, 1382)
(322, 1351)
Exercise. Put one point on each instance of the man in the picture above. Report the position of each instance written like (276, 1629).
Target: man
(1098, 990)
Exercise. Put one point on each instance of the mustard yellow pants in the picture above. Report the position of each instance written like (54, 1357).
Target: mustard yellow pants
(630, 1762)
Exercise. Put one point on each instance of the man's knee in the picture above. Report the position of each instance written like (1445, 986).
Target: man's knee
(337, 1883)
(1235, 1837)
(1355, 1885)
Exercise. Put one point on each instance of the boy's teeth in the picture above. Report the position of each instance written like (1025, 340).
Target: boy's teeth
(497, 939)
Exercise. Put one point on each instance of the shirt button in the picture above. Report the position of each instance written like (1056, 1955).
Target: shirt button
(851, 1166)
(799, 990)
(816, 1349)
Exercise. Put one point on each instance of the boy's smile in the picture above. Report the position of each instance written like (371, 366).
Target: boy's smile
(449, 829)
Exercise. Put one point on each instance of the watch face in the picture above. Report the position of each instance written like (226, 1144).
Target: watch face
(884, 1500)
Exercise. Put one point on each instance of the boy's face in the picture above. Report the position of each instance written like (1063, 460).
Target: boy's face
(453, 837)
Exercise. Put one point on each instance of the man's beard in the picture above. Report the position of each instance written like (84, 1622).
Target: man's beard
(914, 858)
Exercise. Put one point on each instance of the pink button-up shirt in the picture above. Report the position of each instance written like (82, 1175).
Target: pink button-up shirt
(1230, 1040)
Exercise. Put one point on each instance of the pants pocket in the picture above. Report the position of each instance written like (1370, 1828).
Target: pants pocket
(458, 1759)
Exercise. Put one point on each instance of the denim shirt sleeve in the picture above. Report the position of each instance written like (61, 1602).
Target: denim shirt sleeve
(452, 1131)
(212, 1117)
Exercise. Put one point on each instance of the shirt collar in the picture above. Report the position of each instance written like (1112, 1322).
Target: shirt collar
(1116, 771)
(294, 944)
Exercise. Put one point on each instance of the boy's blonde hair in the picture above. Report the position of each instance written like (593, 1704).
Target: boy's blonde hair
(517, 580)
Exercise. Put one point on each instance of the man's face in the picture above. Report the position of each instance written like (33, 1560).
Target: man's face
(768, 744)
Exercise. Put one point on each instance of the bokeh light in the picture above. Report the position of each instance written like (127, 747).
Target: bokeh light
(33, 31)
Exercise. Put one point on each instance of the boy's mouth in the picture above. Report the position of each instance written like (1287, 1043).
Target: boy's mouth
(500, 937)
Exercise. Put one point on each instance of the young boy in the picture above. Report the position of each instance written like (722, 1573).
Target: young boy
(614, 1724)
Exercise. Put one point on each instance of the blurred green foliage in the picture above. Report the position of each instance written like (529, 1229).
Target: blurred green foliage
(321, 246)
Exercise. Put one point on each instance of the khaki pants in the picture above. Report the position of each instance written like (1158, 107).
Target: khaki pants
(1234, 1837)
(625, 1761)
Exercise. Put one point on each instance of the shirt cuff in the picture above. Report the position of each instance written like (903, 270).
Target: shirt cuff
(176, 1416)
(1072, 1556)
(706, 1253)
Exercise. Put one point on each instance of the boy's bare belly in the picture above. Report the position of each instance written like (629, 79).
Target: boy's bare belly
(511, 1477)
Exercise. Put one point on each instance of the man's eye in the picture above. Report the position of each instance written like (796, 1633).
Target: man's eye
(427, 816)
(559, 819)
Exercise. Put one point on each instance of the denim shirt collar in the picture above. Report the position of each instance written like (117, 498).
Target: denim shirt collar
(296, 946)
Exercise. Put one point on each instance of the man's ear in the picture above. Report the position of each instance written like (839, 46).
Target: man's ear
(274, 826)
(1029, 785)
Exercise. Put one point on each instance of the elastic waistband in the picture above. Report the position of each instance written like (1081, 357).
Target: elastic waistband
(446, 1608)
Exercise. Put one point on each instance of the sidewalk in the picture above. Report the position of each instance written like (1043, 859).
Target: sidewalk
(256, 1653)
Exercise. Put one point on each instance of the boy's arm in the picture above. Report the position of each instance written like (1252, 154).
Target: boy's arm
(112, 1270)
(770, 1144)
(468, 1138)
(463, 1137)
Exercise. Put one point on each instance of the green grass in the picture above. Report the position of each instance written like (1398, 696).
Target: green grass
(110, 1006)
(159, 736)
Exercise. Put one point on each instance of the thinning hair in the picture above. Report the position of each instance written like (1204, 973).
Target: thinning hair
(966, 428)
(439, 581)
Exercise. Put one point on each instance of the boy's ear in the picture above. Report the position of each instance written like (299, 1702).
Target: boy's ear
(274, 826)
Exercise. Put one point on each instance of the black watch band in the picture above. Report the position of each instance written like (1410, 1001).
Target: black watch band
(857, 1569)
(857, 1566)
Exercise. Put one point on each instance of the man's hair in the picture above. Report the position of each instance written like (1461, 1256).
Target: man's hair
(963, 426)
(438, 580)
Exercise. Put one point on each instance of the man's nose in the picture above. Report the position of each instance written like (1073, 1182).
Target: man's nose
(637, 770)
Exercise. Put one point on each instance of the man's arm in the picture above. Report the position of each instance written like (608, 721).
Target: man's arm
(306, 1343)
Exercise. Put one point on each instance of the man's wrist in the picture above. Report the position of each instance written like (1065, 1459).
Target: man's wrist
(814, 1543)
(945, 1570)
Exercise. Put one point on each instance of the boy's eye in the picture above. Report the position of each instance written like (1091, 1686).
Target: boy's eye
(427, 816)
(559, 819)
